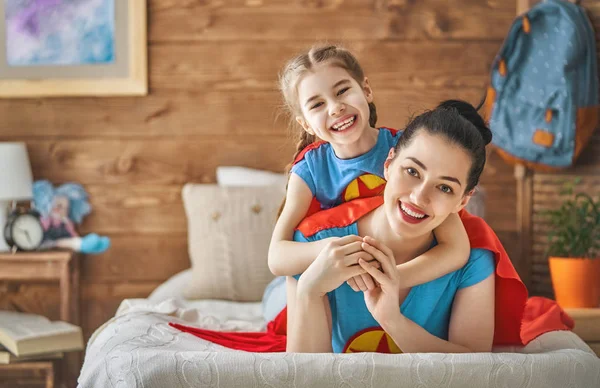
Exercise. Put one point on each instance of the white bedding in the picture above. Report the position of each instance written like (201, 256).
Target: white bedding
(137, 348)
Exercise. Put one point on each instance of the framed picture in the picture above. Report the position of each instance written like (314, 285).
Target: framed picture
(73, 48)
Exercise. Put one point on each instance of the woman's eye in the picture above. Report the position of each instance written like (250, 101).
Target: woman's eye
(446, 189)
(412, 172)
(342, 91)
(318, 104)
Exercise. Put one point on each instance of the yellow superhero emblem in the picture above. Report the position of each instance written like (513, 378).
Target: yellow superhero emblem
(367, 185)
(372, 339)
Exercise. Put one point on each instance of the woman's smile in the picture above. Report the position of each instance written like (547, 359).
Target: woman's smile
(411, 214)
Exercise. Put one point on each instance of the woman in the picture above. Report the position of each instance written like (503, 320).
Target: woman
(430, 174)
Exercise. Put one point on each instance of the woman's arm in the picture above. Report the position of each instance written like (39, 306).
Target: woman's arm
(471, 327)
(309, 313)
(472, 317)
(471, 324)
(451, 254)
(287, 257)
(309, 320)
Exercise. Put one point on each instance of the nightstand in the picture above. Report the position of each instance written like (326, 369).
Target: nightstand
(61, 266)
(43, 369)
(587, 326)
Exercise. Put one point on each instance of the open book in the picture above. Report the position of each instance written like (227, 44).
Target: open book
(7, 357)
(30, 334)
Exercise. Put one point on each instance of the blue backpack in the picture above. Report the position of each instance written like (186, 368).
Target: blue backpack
(542, 104)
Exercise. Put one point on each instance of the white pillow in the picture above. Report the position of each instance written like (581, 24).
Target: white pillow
(235, 176)
(229, 231)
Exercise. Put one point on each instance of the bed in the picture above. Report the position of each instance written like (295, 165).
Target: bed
(222, 291)
(137, 348)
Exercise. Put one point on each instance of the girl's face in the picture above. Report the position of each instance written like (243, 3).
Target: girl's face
(334, 106)
(425, 183)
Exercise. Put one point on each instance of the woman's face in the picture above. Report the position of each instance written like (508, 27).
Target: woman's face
(425, 183)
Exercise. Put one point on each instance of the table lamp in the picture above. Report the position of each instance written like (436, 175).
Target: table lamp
(16, 181)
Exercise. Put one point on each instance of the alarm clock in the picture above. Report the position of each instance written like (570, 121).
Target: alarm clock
(24, 230)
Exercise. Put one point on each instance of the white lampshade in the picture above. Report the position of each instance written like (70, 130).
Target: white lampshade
(16, 180)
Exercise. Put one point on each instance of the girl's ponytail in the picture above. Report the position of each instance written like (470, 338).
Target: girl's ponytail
(372, 115)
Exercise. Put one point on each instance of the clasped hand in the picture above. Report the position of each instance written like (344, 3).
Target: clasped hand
(353, 257)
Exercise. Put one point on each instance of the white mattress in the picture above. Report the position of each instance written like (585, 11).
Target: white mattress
(137, 348)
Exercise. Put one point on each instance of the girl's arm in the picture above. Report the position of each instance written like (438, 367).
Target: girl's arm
(450, 254)
(309, 320)
(471, 324)
(287, 257)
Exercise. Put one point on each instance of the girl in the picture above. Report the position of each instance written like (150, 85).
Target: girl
(451, 314)
(327, 93)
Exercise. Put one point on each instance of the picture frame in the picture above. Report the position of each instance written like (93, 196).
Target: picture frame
(41, 67)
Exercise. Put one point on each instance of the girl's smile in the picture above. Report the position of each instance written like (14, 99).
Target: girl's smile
(335, 108)
(344, 124)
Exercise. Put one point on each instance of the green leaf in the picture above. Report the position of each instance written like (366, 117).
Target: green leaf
(575, 224)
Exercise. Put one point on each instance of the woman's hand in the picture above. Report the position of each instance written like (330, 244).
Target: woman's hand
(336, 263)
(383, 301)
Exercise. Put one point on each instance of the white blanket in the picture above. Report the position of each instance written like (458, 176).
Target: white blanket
(137, 348)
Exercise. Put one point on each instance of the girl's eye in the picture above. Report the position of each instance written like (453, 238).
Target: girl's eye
(342, 91)
(412, 172)
(318, 104)
(446, 189)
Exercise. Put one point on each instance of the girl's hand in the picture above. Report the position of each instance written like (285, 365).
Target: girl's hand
(336, 263)
(363, 282)
(384, 301)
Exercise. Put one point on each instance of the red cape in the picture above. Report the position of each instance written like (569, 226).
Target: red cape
(519, 319)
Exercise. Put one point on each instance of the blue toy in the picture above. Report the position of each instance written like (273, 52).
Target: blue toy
(60, 209)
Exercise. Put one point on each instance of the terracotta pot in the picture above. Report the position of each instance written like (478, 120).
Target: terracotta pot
(576, 282)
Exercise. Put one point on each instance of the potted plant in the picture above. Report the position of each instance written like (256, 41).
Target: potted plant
(574, 249)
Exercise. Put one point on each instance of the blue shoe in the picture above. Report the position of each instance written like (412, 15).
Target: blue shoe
(92, 243)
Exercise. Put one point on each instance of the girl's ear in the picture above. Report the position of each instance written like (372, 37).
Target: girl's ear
(367, 90)
(387, 162)
(304, 125)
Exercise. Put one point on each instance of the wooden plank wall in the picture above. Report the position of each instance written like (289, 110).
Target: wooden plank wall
(213, 101)
(546, 188)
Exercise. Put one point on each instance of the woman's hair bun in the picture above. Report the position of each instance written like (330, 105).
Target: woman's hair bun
(469, 112)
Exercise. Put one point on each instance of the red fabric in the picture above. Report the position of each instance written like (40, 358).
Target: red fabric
(273, 340)
(315, 207)
(542, 315)
(309, 147)
(339, 216)
(511, 293)
(518, 319)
